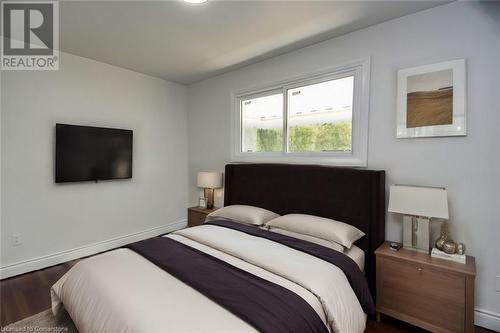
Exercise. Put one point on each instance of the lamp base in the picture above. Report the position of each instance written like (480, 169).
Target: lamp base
(209, 197)
(416, 233)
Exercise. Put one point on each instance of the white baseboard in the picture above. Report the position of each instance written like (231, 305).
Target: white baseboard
(86, 250)
(487, 319)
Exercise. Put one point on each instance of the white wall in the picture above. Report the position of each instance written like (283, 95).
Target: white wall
(467, 166)
(53, 218)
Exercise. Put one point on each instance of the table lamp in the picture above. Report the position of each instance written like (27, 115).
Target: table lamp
(209, 181)
(418, 204)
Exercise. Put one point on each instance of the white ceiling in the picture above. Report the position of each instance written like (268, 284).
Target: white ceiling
(186, 43)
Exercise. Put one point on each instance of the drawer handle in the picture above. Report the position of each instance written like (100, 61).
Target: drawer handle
(420, 269)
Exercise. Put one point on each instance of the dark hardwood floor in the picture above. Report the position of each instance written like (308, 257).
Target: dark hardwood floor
(25, 295)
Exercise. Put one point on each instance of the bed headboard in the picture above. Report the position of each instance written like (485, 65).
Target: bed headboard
(354, 196)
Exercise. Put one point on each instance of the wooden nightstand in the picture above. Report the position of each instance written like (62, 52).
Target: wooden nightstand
(197, 215)
(431, 293)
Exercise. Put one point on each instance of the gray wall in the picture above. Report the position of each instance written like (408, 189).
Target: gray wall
(467, 166)
(53, 218)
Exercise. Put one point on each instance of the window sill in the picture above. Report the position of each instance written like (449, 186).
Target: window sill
(344, 161)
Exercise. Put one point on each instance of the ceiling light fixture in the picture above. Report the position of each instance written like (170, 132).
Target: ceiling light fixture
(196, 1)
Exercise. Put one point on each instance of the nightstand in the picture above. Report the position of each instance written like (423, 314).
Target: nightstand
(197, 215)
(435, 294)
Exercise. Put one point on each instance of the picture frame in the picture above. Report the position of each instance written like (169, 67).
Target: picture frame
(202, 203)
(431, 100)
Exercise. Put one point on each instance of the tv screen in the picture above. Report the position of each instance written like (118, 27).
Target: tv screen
(92, 153)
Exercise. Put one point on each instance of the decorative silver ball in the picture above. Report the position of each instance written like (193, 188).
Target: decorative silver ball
(440, 242)
(449, 247)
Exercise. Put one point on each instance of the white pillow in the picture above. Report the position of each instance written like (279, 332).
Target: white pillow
(315, 240)
(243, 214)
(319, 227)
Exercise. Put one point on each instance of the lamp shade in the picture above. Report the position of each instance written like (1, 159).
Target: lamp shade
(209, 179)
(419, 201)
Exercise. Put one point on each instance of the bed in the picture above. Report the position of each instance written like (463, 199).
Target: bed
(282, 284)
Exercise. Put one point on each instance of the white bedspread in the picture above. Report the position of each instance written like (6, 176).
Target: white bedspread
(120, 291)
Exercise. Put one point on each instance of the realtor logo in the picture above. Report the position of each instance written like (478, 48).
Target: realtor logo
(30, 35)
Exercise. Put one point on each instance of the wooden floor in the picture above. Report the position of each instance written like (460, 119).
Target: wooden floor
(25, 295)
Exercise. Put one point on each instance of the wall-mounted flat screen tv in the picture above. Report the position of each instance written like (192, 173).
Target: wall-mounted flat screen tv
(85, 153)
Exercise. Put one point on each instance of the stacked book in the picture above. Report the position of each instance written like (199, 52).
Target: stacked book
(435, 253)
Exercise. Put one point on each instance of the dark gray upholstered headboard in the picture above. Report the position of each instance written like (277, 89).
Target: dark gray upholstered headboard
(354, 196)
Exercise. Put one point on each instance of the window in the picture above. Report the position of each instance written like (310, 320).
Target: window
(262, 123)
(320, 118)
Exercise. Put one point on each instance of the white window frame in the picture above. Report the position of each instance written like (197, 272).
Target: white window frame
(360, 69)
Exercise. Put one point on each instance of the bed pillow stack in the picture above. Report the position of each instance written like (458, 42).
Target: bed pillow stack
(330, 233)
(324, 229)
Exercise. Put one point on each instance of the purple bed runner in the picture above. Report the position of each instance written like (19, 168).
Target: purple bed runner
(264, 305)
(351, 270)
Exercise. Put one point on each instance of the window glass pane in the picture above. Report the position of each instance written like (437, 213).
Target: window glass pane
(320, 116)
(262, 124)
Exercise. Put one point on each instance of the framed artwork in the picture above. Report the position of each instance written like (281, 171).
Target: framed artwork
(431, 100)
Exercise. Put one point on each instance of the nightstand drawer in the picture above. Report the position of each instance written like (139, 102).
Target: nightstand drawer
(195, 218)
(423, 293)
